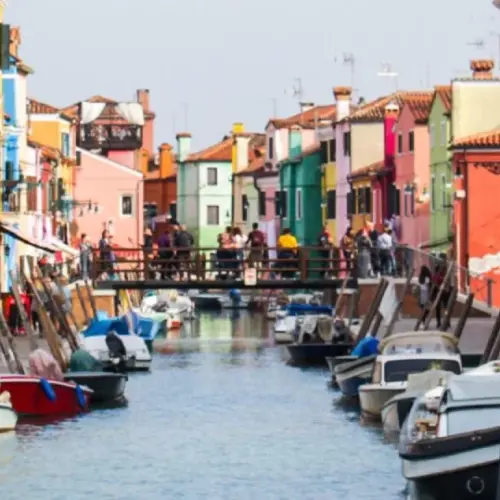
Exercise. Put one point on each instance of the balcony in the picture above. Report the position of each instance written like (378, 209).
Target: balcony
(109, 137)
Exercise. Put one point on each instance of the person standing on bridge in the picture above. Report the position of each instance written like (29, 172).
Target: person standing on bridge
(287, 253)
(256, 239)
(183, 242)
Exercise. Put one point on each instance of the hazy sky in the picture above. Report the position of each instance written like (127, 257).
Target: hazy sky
(228, 59)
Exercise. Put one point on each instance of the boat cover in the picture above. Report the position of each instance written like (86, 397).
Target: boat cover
(294, 309)
(103, 327)
(366, 347)
(468, 387)
(315, 325)
(82, 361)
(427, 380)
(42, 364)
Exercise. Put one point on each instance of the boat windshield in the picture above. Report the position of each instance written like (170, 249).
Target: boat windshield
(416, 348)
(399, 369)
(472, 419)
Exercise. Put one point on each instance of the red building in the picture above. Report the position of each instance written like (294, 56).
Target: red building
(476, 163)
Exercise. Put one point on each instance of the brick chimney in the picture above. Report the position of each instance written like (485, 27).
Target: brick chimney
(15, 41)
(482, 69)
(183, 145)
(343, 101)
(166, 160)
(143, 99)
(306, 106)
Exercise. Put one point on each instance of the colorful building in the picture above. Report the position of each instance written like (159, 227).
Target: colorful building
(204, 189)
(412, 171)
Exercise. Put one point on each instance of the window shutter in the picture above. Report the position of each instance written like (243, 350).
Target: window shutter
(262, 203)
(368, 200)
(333, 150)
(350, 203)
(324, 152)
(397, 207)
(284, 204)
(277, 203)
(331, 202)
(4, 47)
(244, 207)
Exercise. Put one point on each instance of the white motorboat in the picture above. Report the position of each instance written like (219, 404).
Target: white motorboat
(8, 416)
(456, 454)
(401, 355)
(284, 327)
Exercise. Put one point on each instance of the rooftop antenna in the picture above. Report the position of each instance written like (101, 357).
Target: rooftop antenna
(348, 59)
(478, 43)
(297, 91)
(388, 72)
(185, 105)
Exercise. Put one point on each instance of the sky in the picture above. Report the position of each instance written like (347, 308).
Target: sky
(210, 63)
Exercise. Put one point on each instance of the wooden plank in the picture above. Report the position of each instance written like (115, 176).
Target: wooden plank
(495, 330)
(367, 320)
(452, 301)
(399, 306)
(459, 329)
(82, 303)
(91, 299)
(12, 358)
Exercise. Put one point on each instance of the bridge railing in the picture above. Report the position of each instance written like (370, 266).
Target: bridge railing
(208, 263)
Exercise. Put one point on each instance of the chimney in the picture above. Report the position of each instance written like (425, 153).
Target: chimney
(144, 161)
(391, 115)
(183, 145)
(238, 128)
(242, 141)
(15, 41)
(143, 98)
(166, 160)
(343, 101)
(482, 69)
(306, 106)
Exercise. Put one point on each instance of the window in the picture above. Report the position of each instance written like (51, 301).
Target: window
(212, 176)
(244, 207)
(444, 193)
(281, 204)
(150, 210)
(368, 200)
(433, 194)
(262, 203)
(324, 152)
(443, 133)
(364, 200)
(347, 144)
(400, 143)
(126, 208)
(213, 215)
(270, 148)
(412, 201)
(409, 200)
(432, 133)
(394, 200)
(173, 210)
(298, 204)
(65, 145)
(411, 141)
(351, 203)
(331, 204)
(333, 150)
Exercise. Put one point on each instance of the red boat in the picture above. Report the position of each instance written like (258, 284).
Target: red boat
(38, 397)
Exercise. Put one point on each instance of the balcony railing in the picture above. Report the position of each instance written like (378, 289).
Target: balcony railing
(120, 137)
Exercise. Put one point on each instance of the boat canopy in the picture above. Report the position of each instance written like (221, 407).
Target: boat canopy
(419, 342)
(471, 387)
(298, 309)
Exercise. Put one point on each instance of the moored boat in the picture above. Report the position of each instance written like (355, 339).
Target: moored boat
(315, 354)
(107, 387)
(8, 416)
(351, 376)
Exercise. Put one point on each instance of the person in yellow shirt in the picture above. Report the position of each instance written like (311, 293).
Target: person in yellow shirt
(287, 253)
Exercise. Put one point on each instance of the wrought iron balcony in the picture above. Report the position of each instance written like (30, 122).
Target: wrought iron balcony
(118, 137)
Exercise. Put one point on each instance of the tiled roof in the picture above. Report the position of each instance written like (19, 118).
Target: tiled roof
(109, 113)
(47, 151)
(37, 107)
(257, 160)
(374, 111)
(420, 107)
(308, 117)
(484, 140)
(444, 93)
(368, 170)
(222, 151)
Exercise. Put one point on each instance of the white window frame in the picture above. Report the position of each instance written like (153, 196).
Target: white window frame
(298, 204)
(210, 169)
(218, 215)
(126, 195)
(442, 133)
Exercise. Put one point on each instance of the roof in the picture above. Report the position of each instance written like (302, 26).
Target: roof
(374, 111)
(222, 151)
(444, 93)
(38, 107)
(328, 112)
(483, 140)
(420, 107)
(47, 151)
(257, 161)
(108, 113)
(369, 170)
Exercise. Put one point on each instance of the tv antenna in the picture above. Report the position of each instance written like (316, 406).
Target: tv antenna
(388, 72)
(478, 43)
(297, 91)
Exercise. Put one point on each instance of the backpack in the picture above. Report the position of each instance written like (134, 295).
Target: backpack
(257, 238)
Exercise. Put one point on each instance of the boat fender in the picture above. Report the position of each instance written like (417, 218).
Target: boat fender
(47, 389)
(80, 397)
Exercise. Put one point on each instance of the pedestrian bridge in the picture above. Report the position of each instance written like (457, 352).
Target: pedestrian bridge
(214, 268)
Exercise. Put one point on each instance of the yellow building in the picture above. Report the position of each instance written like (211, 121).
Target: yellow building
(326, 136)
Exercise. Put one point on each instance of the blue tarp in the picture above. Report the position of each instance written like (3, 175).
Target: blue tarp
(367, 347)
(297, 309)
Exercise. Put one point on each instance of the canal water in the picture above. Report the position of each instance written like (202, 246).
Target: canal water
(220, 417)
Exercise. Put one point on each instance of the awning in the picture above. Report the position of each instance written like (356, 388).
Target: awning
(61, 246)
(18, 235)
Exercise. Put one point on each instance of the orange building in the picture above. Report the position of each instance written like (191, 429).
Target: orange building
(476, 163)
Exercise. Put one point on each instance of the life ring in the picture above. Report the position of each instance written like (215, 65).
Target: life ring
(80, 397)
(48, 390)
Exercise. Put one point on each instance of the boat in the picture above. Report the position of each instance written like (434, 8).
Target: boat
(33, 396)
(113, 341)
(456, 454)
(107, 387)
(8, 416)
(395, 411)
(401, 355)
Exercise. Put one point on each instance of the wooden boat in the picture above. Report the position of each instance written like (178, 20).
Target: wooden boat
(38, 397)
(315, 354)
(401, 355)
(107, 387)
(351, 376)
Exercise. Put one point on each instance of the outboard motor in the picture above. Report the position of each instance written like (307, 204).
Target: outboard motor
(117, 351)
(341, 332)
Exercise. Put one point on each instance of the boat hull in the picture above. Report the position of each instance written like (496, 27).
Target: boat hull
(8, 418)
(315, 354)
(107, 387)
(372, 398)
(394, 414)
(29, 398)
(351, 376)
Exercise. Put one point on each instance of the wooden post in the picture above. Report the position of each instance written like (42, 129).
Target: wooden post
(463, 317)
(341, 294)
(367, 320)
(303, 263)
(399, 306)
(91, 299)
(12, 358)
(82, 303)
(449, 309)
(491, 340)
(439, 295)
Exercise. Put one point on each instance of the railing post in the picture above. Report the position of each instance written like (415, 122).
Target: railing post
(489, 291)
(93, 268)
(197, 261)
(203, 262)
(303, 262)
(145, 263)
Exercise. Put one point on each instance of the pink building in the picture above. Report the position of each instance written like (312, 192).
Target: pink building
(412, 169)
(109, 196)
